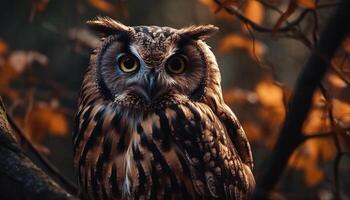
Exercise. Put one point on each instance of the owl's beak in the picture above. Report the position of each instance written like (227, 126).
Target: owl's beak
(151, 85)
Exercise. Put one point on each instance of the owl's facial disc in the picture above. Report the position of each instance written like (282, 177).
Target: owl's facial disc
(146, 64)
(144, 78)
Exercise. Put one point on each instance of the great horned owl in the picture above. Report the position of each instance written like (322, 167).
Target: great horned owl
(152, 123)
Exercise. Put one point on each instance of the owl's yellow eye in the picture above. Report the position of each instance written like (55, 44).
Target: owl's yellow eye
(128, 63)
(176, 64)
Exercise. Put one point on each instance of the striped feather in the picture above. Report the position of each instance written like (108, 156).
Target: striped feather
(183, 151)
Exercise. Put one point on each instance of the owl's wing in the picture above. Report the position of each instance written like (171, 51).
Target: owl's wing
(213, 160)
(237, 135)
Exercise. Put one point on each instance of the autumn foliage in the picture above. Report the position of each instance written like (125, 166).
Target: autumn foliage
(327, 126)
(254, 26)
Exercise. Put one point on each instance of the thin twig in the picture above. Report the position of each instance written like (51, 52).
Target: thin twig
(318, 135)
(235, 11)
(269, 5)
(29, 108)
(315, 28)
(256, 58)
(340, 74)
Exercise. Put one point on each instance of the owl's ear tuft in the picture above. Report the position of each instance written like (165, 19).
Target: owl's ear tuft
(107, 26)
(201, 32)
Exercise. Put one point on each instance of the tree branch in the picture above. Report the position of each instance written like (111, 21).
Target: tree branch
(20, 178)
(313, 72)
(52, 170)
(318, 135)
(236, 12)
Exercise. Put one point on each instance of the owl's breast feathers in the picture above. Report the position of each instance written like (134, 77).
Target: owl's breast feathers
(180, 152)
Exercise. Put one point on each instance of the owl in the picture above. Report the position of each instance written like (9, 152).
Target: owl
(152, 122)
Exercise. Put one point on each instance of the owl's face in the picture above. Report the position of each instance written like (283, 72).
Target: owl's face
(144, 65)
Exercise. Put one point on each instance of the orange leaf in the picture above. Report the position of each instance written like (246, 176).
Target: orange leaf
(336, 81)
(318, 119)
(234, 41)
(309, 4)
(239, 96)
(213, 7)
(253, 131)
(58, 124)
(7, 74)
(3, 47)
(45, 118)
(254, 11)
(307, 157)
(269, 94)
(341, 110)
(313, 175)
(102, 5)
(272, 111)
(346, 45)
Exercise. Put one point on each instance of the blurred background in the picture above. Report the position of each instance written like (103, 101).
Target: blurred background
(45, 47)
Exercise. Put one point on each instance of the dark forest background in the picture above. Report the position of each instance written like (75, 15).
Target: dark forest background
(45, 47)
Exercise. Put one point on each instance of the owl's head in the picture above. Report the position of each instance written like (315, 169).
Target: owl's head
(147, 65)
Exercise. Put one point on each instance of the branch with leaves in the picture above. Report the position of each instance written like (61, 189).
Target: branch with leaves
(291, 134)
(20, 178)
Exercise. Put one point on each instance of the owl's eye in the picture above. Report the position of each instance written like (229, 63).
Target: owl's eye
(128, 63)
(176, 64)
